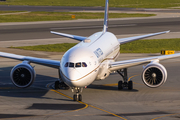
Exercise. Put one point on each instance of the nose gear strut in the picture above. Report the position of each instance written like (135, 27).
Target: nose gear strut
(77, 96)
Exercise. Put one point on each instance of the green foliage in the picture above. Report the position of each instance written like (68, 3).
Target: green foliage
(112, 3)
(1, 12)
(151, 46)
(50, 16)
(141, 46)
(49, 48)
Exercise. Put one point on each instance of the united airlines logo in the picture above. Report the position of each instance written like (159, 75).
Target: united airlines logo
(98, 52)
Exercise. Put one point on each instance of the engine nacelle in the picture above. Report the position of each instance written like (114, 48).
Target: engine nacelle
(154, 75)
(23, 75)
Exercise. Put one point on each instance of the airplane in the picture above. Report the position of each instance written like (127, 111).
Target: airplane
(93, 58)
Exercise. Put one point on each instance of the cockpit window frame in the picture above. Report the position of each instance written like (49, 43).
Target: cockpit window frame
(71, 64)
(67, 64)
(84, 64)
(77, 65)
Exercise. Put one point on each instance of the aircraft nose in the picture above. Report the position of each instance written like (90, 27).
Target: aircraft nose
(74, 75)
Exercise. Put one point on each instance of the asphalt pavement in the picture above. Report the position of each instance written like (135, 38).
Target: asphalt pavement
(101, 100)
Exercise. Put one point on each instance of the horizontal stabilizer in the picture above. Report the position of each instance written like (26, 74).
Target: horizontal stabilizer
(80, 38)
(130, 39)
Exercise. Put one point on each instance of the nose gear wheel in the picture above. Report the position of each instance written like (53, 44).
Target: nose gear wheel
(77, 96)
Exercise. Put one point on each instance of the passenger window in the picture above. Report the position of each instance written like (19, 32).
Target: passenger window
(71, 64)
(84, 64)
(66, 65)
(78, 64)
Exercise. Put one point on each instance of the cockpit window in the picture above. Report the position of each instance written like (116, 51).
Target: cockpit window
(71, 64)
(66, 65)
(78, 64)
(84, 64)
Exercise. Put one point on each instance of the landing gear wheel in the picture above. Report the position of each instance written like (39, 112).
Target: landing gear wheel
(63, 86)
(56, 85)
(120, 85)
(130, 85)
(77, 97)
(80, 97)
(60, 85)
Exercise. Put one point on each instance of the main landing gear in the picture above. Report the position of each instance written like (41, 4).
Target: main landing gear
(60, 85)
(125, 83)
(77, 96)
(77, 90)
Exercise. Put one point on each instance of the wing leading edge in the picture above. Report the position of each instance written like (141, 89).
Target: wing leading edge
(45, 62)
(130, 39)
(79, 38)
(134, 62)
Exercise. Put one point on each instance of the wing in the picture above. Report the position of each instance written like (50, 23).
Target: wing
(130, 39)
(80, 38)
(113, 66)
(45, 62)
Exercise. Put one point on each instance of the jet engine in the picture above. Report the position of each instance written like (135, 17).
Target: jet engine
(154, 75)
(23, 75)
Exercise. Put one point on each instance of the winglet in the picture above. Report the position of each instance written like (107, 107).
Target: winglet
(106, 16)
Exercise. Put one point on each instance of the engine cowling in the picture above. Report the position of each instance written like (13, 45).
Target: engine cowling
(154, 75)
(23, 75)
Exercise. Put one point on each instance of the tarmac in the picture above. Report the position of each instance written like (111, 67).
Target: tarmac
(101, 100)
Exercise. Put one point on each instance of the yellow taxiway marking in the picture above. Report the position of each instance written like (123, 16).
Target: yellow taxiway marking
(165, 116)
(107, 112)
(114, 84)
(133, 76)
(87, 105)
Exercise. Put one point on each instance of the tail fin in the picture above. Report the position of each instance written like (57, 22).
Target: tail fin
(106, 16)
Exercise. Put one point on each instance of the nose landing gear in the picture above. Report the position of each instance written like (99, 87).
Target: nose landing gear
(77, 96)
(125, 82)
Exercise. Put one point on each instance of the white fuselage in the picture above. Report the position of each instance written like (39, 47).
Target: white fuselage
(87, 61)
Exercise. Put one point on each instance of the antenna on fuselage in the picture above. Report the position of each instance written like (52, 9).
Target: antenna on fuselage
(106, 16)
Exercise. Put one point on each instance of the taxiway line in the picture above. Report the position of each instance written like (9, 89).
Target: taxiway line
(165, 116)
(107, 112)
(86, 105)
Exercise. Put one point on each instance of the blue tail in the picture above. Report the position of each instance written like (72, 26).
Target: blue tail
(106, 16)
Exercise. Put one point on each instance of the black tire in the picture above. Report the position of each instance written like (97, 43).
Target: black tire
(63, 86)
(120, 85)
(56, 85)
(130, 85)
(75, 97)
(80, 97)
